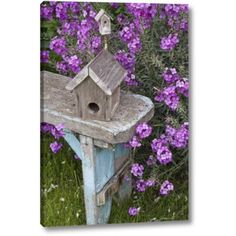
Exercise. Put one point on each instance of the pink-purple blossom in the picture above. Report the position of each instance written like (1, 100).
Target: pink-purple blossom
(170, 75)
(143, 130)
(58, 131)
(166, 188)
(169, 96)
(160, 148)
(141, 185)
(46, 12)
(178, 138)
(55, 147)
(133, 211)
(44, 56)
(137, 169)
(168, 43)
(58, 45)
(134, 142)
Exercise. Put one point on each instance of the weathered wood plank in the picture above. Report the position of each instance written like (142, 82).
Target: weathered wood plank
(58, 106)
(98, 168)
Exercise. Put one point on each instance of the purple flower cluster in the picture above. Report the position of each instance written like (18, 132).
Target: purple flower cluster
(58, 45)
(74, 63)
(137, 170)
(130, 34)
(142, 131)
(142, 185)
(160, 148)
(55, 147)
(170, 75)
(44, 56)
(166, 188)
(133, 211)
(134, 142)
(176, 86)
(168, 43)
(178, 138)
(75, 20)
(176, 16)
(46, 12)
(57, 132)
(169, 96)
(143, 12)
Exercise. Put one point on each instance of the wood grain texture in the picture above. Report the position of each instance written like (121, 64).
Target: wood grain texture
(107, 72)
(58, 106)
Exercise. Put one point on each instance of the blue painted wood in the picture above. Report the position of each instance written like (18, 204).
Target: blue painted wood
(105, 169)
(73, 143)
(122, 154)
(98, 168)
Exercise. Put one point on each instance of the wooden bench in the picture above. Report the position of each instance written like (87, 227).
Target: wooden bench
(99, 144)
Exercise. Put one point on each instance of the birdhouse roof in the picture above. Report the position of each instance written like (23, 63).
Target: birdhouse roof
(100, 14)
(104, 70)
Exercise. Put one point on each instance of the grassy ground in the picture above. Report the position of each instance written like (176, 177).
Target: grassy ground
(62, 200)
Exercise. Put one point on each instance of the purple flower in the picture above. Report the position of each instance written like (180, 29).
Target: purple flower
(168, 43)
(74, 7)
(137, 169)
(134, 142)
(122, 19)
(46, 12)
(141, 185)
(135, 45)
(143, 130)
(74, 63)
(158, 143)
(58, 45)
(58, 131)
(44, 56)
(115, 5)
(96, 43)
(182, 87)
(55, 146)
(150, 182)
(166, 187)
(69, 28)
(127, 60)
(45, 127)
(164, 155)
(127, 33)
(133, 211)
(130, 80)
(159, 146)
(178, 138)
(169, 96)
(170, 75)
(61, 10)
(62, 67)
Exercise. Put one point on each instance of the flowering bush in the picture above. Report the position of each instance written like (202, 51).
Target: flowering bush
(151, 42)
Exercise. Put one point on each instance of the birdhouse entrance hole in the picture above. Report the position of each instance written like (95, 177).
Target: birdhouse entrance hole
(94, 108)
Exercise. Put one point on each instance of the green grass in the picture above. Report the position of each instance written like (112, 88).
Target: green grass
(62, 202)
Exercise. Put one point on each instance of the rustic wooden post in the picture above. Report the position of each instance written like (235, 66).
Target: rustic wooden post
(105, 159)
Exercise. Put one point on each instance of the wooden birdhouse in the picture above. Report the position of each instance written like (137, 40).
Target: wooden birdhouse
(97, 87)
(104, 22)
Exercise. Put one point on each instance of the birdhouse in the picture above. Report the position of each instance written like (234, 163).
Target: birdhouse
(104, 22)
(97, 87)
